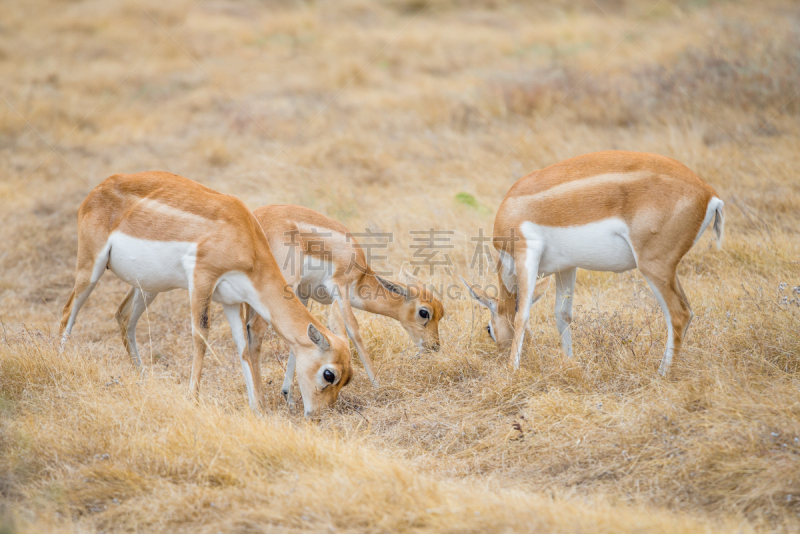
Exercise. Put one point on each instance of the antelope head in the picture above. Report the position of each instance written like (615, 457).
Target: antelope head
(323, 368)
(418, 310)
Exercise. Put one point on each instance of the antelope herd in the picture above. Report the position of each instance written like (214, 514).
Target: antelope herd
(607, 211)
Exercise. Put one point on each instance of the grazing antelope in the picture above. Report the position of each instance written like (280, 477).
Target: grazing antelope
(158, 231)
(607, 211)
(322, 260)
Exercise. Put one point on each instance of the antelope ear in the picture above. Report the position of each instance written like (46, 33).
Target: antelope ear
(410, 278)
(479, 295)
(317, 337)
(391, 286)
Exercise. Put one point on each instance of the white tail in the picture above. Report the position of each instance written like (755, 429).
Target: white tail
(719, 223)
(713, 211)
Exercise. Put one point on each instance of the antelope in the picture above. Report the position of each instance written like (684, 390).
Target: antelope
(607, 211)
(323, 262)
(157, 232)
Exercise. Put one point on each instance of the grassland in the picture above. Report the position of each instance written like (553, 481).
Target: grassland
(403, 115)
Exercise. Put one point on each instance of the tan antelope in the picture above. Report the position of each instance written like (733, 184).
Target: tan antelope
(607, 211)
(157, 231)
(322, 261)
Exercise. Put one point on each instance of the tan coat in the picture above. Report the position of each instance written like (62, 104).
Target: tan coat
(159, 231)
(607, 211)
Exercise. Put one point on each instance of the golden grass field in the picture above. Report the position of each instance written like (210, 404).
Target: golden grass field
(401, 115)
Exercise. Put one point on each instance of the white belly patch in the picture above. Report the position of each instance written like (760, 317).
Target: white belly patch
(599, 246)
(158, 266)
(153, 266)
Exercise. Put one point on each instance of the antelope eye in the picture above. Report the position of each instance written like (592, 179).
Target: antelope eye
(328, 376)
(424, 313)
(489, 329)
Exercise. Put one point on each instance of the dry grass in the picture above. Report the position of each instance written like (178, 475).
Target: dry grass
(398, 116)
